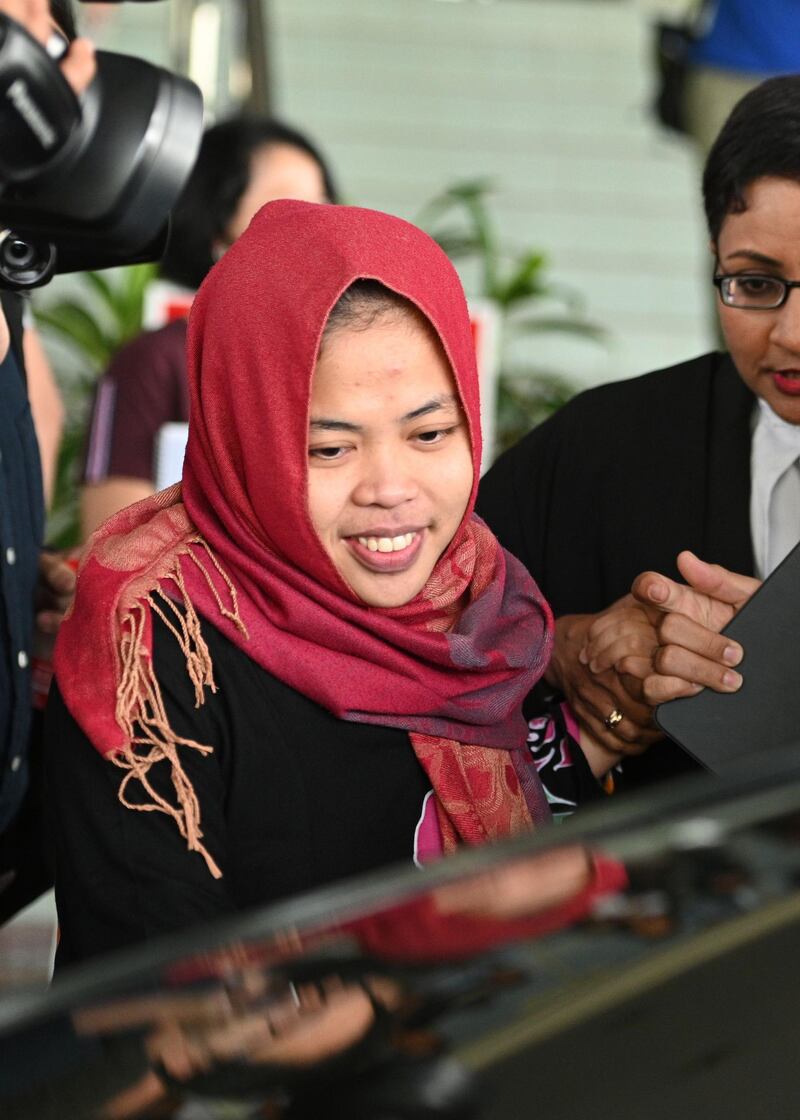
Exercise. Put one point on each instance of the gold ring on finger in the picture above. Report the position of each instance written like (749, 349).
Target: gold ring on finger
(613, 718)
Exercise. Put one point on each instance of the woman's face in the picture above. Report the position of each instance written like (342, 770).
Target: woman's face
(277, 171)
(765, 345)
(389, 459)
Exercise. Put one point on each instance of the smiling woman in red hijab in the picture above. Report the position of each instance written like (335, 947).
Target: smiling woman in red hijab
(250, 653)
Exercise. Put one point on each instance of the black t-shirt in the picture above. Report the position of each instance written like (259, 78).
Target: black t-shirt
(291, 798)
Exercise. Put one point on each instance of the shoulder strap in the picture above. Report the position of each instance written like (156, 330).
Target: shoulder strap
(12, 309)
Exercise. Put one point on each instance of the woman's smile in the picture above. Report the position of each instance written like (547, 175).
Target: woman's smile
(381, 552)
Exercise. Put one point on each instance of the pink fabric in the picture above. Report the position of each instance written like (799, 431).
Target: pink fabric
(428, 842)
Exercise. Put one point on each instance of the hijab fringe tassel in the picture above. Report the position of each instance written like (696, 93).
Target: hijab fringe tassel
(140, 708)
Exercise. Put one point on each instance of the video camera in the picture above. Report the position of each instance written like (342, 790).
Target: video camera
(87, 183)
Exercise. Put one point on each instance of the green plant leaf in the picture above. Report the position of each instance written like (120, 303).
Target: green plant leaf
(95, 326)
(483, 231)
(469, 198)
(457, 244)
(76, 326)
(460, 219)
(523, 283)
(573, 300)
(453, 196)
(103, 289)
(63, 521)
(525, 398)
(134, 284)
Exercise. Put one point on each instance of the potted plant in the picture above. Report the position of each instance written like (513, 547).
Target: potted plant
(516, 283)
(105, 311)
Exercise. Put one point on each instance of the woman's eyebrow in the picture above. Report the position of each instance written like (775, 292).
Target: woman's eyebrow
(752, 255)
(325, 425)
(445, 400)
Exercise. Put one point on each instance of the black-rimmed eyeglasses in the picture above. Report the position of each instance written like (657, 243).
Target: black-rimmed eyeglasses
(752, 292)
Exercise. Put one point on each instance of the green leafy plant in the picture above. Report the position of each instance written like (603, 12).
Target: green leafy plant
(528, 304)
(104, 311)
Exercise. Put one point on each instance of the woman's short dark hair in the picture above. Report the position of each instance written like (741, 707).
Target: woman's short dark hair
(215, 187)
(63, 13)
(760, 137)
(367, 302)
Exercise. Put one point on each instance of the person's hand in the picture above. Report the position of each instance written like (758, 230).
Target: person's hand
(625, 631)
(78, 64)
(691, 653)
(320, 1020)
(54, 591)
(519, 889)
(595, 694)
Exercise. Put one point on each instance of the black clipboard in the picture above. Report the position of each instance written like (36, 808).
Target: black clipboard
(719, 729)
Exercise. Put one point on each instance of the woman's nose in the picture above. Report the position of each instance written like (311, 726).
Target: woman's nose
(786, 328)
(385, 479)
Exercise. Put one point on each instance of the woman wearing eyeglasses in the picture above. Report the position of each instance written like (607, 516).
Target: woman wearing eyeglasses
(701, 456)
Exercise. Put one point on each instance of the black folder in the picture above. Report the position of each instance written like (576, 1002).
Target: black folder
(720, 728)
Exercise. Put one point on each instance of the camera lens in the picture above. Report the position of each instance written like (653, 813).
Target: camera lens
(23, 263)
(18, 254)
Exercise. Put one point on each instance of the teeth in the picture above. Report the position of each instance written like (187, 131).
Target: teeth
(387, 544)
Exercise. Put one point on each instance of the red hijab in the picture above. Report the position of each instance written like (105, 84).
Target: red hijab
(234, 543)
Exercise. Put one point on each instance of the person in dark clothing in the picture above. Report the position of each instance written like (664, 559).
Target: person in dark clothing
(33, 584)
(738, 44)
(21, 531)
(701, 456)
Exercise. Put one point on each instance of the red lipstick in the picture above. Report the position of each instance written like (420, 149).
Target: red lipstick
(787, 381)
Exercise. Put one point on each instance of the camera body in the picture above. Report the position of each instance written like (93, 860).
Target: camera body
(87, 183)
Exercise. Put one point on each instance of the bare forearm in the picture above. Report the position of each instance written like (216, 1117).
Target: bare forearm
(601, 759)
(47, 408)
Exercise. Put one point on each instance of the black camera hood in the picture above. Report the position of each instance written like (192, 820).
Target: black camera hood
(104, 196)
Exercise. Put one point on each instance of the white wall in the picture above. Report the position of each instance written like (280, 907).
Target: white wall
(549, 97)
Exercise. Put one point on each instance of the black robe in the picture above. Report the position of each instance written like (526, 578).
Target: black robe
(624, 477)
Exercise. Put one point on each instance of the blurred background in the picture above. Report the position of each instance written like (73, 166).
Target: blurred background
(519, 132)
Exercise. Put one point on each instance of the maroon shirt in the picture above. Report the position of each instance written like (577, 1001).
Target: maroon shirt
(143, 389)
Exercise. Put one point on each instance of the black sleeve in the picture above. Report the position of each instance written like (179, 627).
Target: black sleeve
(515, 495)
(499, 506)
(563, 769)
(123, 875)
(12, 305)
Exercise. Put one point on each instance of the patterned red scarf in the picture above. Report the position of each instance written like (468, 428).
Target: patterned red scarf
(234, 544)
